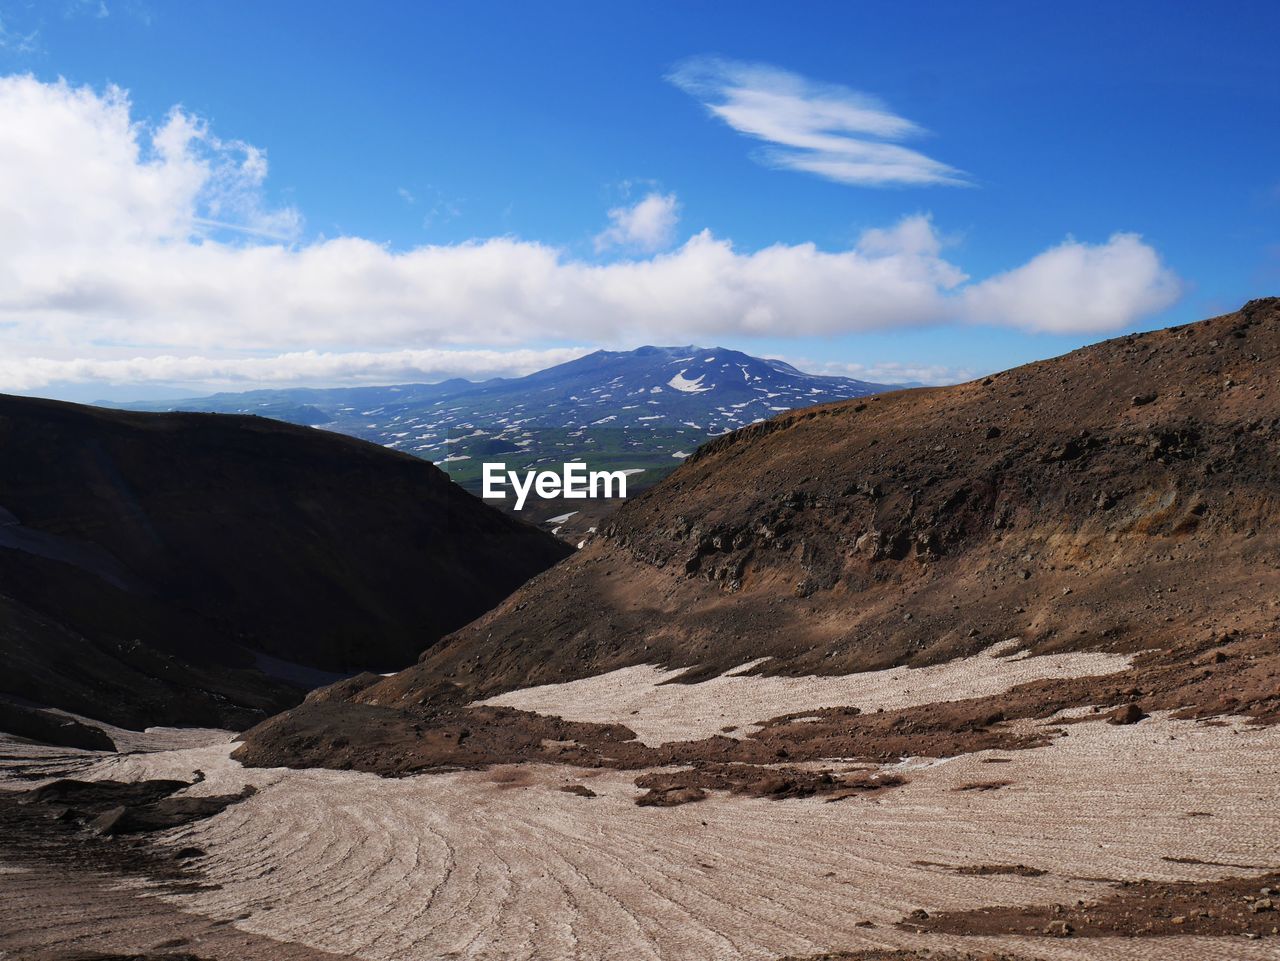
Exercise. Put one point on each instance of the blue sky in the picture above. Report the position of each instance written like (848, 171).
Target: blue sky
(447, 125)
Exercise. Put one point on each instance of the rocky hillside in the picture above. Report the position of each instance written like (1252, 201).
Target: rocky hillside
(204, 569)
(1122, 498)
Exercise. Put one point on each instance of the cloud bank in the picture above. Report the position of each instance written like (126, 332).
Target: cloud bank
(300, 367)
(123, 240)
(823, 129)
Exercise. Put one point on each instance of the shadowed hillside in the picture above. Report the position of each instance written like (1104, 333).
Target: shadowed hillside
(149, 561)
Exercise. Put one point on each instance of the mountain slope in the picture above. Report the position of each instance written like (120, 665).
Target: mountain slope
(1120, 499)
(643, 409)
(150, 564)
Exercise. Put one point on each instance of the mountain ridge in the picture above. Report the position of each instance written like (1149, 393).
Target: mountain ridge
(642, 410)
(1117, 500)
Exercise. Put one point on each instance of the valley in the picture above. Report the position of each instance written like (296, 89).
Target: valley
(986, 671)
(639, 482)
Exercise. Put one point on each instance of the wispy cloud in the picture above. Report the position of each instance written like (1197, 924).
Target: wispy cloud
(18, 42)
(438, 209)
(86, 8)
(647, 225)
(821, 128)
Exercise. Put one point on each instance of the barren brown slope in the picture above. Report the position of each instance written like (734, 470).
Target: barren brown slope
(145, 559)
(1121, 498)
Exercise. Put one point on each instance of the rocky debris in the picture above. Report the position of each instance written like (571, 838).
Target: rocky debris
(146, 956)
(399, 742)
(411, 738)
(579, 789)
(1126, 714)
(982, 786)
(166, 813)
(1228, 906)
(671, 797)
(986, 870)
(761, 781)
(126, 807)
(48, 727)
(94, 797)
(889, 954)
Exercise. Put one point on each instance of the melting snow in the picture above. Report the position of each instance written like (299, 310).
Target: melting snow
(682, 383)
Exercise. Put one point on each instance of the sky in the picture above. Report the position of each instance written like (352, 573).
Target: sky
(220, 195)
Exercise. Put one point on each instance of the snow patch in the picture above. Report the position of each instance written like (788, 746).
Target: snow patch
(682, 383)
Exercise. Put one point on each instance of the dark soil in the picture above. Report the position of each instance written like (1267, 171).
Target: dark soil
(1245, 906)
(890, 955)
(67, 904)
(985, 870)
(144, 558)
(667, 789)
(125, 807)
(46, 727)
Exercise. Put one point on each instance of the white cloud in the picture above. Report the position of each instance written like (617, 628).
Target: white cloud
(648, 225)
(122, 240)
(891, 372)
(1077, 288)
(823, 129)
(297, 368)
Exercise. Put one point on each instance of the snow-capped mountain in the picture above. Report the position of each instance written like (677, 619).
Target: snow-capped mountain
(644, 409)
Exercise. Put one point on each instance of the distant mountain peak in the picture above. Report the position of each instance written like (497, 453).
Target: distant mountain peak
(644, 409)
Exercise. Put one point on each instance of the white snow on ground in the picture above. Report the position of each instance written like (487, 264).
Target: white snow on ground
(680, 455)
(659, 712)
(501, 864)
(682, 383)
(560, 519)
